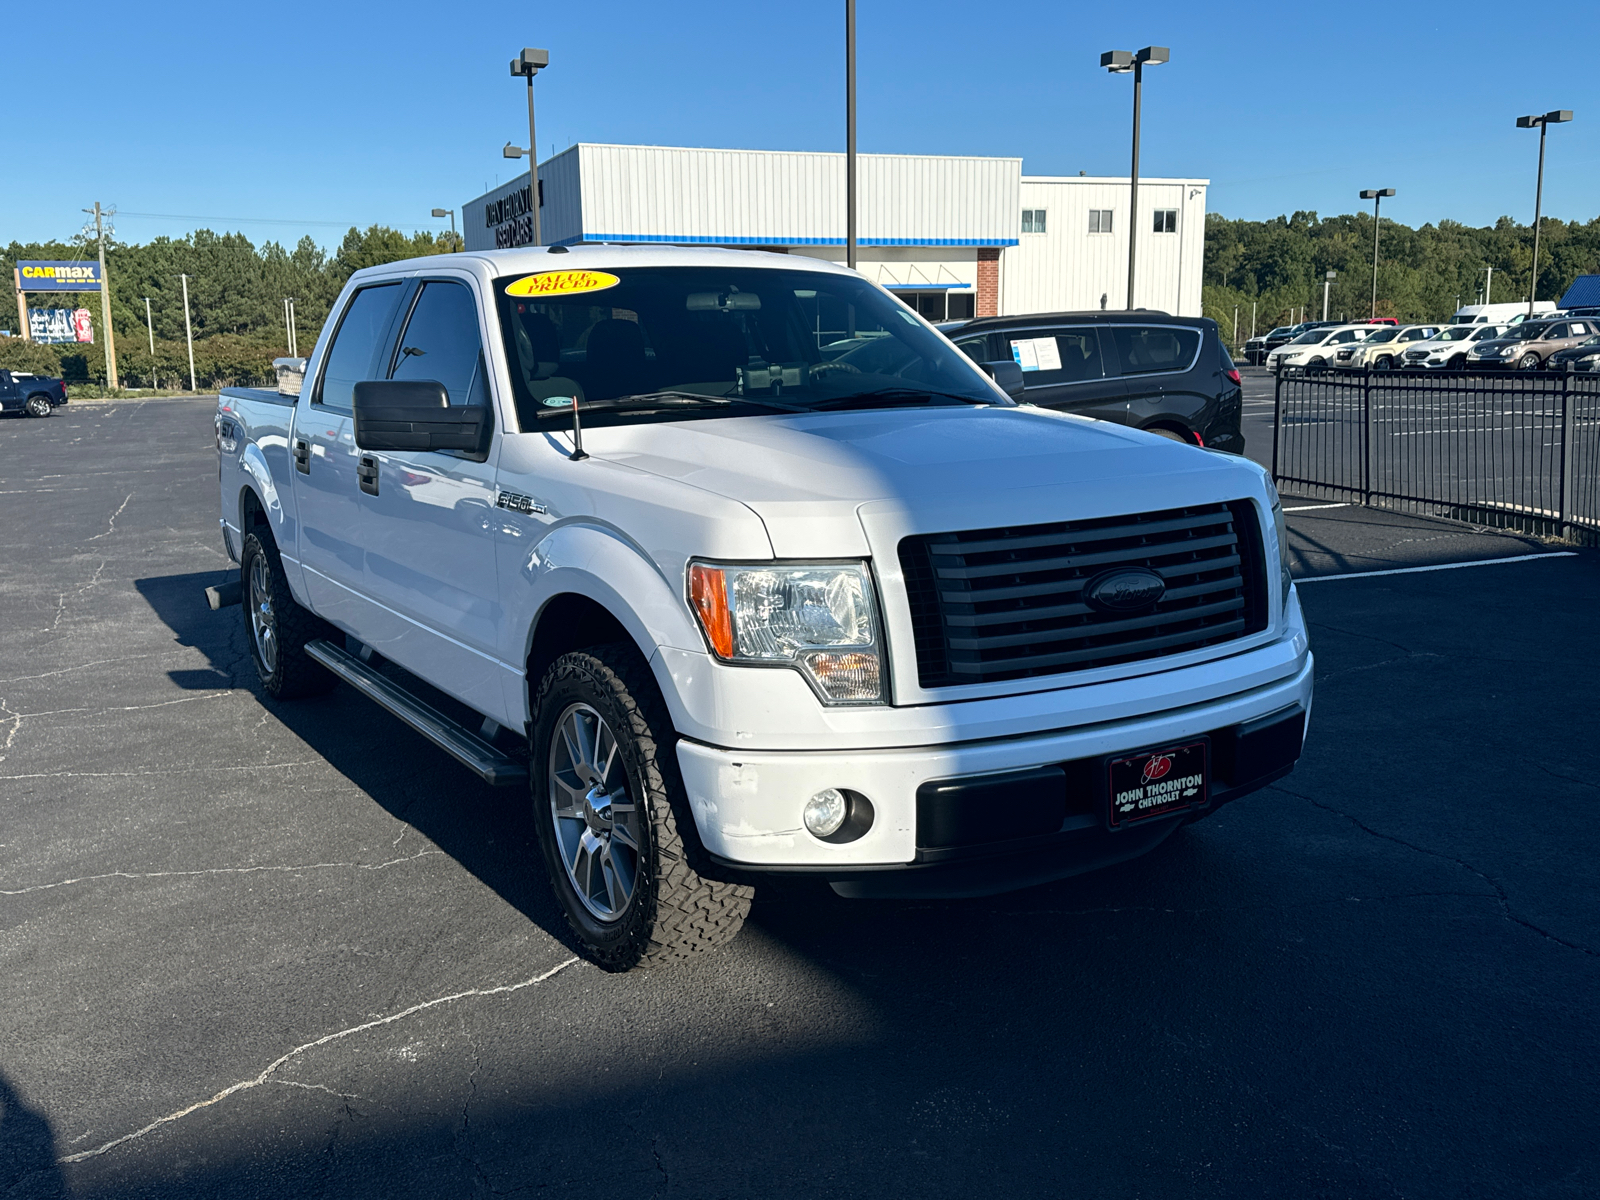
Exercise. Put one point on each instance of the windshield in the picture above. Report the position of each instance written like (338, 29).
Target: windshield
(1280, 331)
(1387, 334)
(1311, 337)
(718, 341)
(1456, 333)
(1482, 333)
(1525, 332)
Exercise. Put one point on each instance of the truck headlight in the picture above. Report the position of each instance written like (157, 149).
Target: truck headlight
(1282, 527)
(820, 618)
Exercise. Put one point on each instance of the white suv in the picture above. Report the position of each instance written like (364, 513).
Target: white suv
(1383, 350)
(1447, 349)
(1315, 348)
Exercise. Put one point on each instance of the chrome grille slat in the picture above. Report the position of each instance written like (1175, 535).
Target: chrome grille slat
(995, 604)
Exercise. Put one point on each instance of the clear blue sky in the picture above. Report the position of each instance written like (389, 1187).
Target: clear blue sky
(308, 118)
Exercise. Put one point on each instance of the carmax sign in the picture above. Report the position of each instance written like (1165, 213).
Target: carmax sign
(59, 276)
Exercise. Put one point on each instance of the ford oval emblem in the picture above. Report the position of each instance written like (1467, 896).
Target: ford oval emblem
(1124, 589)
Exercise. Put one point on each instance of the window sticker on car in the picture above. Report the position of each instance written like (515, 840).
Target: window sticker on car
(1036, 354)
(561, 283)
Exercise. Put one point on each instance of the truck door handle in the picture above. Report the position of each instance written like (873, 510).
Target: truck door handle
(302, 457)
(367, 473)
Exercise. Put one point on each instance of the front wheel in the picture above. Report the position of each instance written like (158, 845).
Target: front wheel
(278, 628)
(613, 818)
(39, 406)
(1458, 363)
(1317, 364)
(1528, 362)
(1385, 363)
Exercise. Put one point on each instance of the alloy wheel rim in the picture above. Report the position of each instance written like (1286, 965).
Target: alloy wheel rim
(263, 622)
(596, 820)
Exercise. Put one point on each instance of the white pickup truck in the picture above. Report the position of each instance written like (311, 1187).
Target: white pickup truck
(742, 568)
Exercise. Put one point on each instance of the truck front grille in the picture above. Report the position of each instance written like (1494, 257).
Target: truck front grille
(996, 604)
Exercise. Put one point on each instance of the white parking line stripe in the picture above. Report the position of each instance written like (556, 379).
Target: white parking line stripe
(1482, 562)
(1309, 507)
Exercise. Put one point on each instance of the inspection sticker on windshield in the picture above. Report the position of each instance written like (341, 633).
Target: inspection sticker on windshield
(562, 283)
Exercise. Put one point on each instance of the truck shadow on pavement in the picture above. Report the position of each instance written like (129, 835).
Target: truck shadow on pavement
(27, 1150)
(180, 602)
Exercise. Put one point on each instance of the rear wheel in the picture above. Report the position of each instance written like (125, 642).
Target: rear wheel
(1173, 434)
(39, 406)
(614, 824)
(279, 628)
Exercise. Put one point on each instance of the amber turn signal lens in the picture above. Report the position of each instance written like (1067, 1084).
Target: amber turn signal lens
(708, 590)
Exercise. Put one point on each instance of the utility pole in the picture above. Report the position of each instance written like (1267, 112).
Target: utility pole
(528, 64)
(1252, 318)
(850, 134)
(1235, 324)
(1327, 282)
(188, 332)
(1376, 195)
(1488, 286)
(1559, 117)
(105, 297)
(150, 326)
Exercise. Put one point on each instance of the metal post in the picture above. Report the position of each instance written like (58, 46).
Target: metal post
(22, 306)
(150, 326)
(1236, 324)
(294, 336)
(533, 171)
(1564, 505)
(1133, 202)
(105, 297)
(850, 133)
(1277, 420)
(1376, 201)
(1252, 318)
(1538, 204)
(1488, 287)
(1326, 284)
(1366, 436)
(188, 333)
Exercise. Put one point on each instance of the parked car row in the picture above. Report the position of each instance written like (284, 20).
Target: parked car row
(1529, 345)
(1502, 316)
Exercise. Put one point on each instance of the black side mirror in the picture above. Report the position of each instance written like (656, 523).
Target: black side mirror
(1007, 374)
(416, 414)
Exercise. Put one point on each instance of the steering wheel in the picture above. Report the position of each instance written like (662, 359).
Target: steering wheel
(822, 368)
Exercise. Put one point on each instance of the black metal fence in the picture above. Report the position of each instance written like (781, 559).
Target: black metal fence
(1517, 450)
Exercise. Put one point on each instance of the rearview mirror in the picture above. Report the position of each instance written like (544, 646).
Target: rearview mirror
(416, 414)
(1007, 374)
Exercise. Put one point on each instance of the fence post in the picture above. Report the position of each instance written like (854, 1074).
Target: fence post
(1277, 420)
(1564, 506)
(1366, 436)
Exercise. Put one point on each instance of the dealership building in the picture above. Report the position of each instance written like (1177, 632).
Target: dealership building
(954, 237)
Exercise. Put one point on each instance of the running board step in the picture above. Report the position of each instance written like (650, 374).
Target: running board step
(490, 764)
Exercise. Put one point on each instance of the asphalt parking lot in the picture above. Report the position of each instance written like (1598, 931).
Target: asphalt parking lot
(259, 950)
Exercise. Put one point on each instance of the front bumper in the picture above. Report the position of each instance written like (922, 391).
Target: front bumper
(747, 804)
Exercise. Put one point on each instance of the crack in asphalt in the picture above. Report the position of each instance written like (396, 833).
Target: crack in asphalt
(1500, 892)
(325, 866)
(111, 525)
(265, 1076)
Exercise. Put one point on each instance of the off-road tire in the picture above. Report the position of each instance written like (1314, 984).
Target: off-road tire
(675, 912)
(39, 406)
(295, 674)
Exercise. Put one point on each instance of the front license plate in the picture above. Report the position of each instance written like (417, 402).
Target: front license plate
(1157, 783)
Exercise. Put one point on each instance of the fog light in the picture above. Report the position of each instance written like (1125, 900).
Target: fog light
(825, 812)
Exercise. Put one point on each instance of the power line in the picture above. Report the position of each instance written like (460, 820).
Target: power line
(260, 220)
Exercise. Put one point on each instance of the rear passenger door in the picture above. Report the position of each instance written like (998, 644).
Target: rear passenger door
(1065, 367)
(1166, 381)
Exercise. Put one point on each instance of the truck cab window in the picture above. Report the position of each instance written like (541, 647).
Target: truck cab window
(441, 343)
(355, 345)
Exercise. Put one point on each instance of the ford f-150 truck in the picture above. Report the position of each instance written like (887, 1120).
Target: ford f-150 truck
(742, 569)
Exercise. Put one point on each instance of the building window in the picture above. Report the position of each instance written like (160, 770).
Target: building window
(961, 308)
(1099, 220)
(1166, 220)
(1033, 220)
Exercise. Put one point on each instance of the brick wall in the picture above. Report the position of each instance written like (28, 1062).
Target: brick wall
(988, 281)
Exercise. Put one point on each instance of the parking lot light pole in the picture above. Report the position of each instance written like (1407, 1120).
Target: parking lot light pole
(455, 239)
(1376, 195)
(529, 63)
(1327, 282)
(850, 134)
(188, 332)
(1120, 62)
(1559, 117)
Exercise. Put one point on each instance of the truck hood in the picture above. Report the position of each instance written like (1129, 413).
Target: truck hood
(815, 478)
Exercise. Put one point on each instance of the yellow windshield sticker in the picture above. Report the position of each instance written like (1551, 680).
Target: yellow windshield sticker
(562, 283)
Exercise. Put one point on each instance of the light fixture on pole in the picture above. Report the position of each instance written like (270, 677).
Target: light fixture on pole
(188, 331)
(1120, 62)
(527, 64)
(451, 213)
(850, 134)
(1327, 282)
(1559, 117)
(1376, 195)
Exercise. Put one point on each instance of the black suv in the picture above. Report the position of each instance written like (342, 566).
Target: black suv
(1168, 375)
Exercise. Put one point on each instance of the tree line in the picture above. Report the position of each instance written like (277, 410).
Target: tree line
(1423, 274)
(236, 294)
